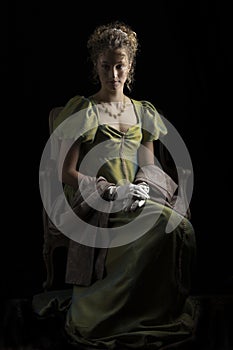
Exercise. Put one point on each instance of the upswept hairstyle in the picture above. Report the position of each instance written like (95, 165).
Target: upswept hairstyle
(112, 36)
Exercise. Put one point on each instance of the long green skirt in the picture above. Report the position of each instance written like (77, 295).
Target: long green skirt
(143, 301)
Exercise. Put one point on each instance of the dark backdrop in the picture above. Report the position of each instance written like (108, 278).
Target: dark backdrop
(183, 68)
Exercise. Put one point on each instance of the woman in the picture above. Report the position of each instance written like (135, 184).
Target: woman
(131, 286)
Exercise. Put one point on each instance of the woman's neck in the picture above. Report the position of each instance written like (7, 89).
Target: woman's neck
(103, 96)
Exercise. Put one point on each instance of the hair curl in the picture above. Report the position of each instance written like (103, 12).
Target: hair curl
(112, 36)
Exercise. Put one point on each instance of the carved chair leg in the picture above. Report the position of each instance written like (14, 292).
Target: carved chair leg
(48, 259)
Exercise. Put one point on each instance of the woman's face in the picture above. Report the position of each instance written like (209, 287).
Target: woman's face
(112, 68)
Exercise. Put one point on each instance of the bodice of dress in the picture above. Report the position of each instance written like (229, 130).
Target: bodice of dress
(105, 150)
(112, 154)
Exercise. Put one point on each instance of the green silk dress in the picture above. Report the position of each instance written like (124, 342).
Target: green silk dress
(143, 300)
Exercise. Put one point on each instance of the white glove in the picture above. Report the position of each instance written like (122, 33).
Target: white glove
(133, 196)
(137, 200)
(140, 191)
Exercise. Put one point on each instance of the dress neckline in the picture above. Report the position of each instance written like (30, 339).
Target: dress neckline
(95, 103)
(108, 126)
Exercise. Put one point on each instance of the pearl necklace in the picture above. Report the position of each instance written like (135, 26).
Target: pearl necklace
(106, 110)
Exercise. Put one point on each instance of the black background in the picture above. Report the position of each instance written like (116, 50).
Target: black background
(183, 67)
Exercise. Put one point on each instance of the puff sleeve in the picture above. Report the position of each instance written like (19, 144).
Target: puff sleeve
(77, 120)
(152, 124)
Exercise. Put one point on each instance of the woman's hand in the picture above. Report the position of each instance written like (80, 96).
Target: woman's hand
(138, 199)
(139, 191)
(133, 196)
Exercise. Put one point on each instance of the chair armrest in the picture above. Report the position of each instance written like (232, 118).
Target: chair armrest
(183, 176)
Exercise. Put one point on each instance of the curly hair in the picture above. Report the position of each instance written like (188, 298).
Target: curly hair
(112, 36)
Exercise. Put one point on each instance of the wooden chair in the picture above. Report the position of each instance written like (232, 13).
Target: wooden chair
(54, 239)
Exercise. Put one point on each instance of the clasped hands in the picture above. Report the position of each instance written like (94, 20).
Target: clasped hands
(133, 195)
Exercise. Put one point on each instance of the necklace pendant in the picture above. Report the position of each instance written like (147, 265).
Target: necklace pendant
(107, 111)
